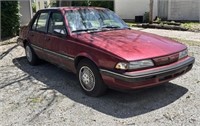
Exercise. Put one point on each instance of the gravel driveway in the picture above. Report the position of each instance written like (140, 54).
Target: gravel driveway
(48, 95)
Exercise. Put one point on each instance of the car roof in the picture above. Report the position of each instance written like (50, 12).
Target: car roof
(72, 8)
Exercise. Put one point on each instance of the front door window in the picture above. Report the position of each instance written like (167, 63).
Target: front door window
(56, 24)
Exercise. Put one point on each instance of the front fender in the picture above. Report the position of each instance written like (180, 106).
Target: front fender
(88, 56)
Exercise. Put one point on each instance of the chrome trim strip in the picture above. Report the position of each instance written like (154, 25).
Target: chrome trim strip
(37, 47)
(151, 72)
(61, 55)
(54, 53)
(114, 73)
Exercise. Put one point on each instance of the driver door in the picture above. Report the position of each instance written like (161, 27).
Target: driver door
(55, 39)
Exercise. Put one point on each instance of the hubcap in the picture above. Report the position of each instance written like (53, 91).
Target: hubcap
(86, 78)
(28, 53)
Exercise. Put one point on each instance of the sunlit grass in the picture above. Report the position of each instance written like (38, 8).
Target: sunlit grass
(130, 24)
(193, 26)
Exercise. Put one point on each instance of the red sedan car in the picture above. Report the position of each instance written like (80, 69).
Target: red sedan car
(102, 50)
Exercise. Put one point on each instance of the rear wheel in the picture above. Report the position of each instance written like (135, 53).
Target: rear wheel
(30, 55)
(90, 78)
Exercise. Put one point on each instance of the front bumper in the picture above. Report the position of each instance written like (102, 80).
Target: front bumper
(148, 77)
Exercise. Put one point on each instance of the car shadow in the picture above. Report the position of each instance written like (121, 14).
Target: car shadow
(114, 103)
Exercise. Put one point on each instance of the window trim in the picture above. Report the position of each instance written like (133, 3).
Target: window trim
(35, 20)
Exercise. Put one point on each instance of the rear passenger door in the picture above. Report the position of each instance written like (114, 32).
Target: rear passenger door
(38, 32)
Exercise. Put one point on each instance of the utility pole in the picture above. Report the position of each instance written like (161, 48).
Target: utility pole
(151, 12)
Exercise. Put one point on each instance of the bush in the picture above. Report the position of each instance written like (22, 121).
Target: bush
(34, 7)
(9, 18)
(105, 4)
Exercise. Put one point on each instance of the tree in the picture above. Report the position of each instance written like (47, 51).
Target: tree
(34, 7)
(9, 18)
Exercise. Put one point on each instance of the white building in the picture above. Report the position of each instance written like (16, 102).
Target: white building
(25, 11)
(166, 9)
(41, 4)
(128, 9)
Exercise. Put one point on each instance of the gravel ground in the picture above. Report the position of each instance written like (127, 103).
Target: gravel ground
(48, 95)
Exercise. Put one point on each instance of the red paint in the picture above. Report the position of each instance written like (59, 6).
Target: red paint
(131, 45)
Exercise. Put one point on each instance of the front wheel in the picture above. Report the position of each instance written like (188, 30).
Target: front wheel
(90, 79)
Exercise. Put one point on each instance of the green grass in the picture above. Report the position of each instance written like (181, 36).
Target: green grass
(192, 26)
(131, 24)
(36, 100)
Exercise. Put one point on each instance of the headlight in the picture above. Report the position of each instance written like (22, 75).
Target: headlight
(183, 54)
(140, 64)
(134, 65)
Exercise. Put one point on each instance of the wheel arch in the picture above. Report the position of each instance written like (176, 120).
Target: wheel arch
(85, 56)
(25, 42)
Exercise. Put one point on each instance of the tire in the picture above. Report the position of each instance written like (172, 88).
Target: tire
(90, 79)
(31, 56)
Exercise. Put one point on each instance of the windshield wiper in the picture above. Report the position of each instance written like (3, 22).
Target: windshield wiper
(86, 30)
(110, 26)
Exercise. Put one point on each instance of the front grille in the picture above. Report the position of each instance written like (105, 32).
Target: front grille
(166, 59)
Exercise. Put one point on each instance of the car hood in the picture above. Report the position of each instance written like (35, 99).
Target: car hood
(130, 44)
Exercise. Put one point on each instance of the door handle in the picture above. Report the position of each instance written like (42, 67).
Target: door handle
(47, 38)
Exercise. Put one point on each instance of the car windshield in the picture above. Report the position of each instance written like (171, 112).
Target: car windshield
(91, 20)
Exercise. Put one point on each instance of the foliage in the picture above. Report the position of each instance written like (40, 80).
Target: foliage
(192, 26)
(9, 18)
(53, 3)
(81, 3)
(105, 4)
(158, 20)
(131, 24)
(34, 7)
